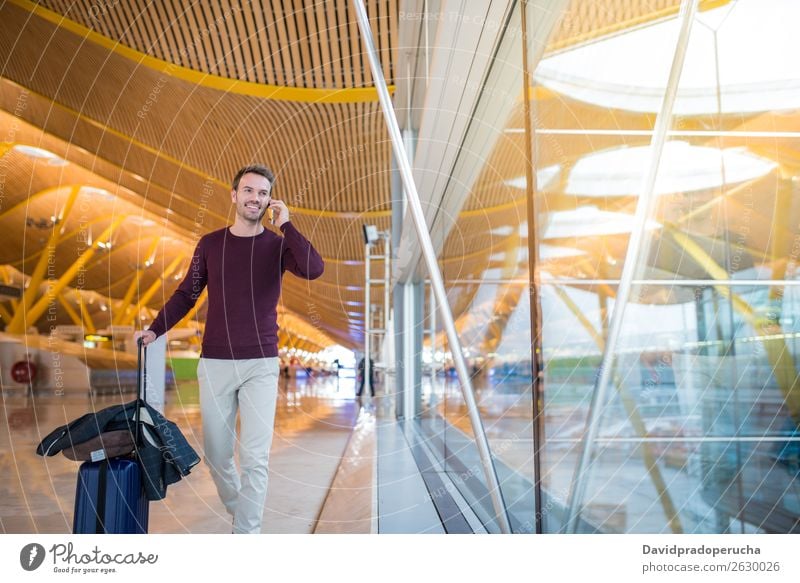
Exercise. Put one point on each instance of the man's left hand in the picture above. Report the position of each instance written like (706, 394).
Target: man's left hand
(280, 212)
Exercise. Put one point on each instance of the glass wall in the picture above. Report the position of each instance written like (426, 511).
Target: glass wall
(484, 262)
(697, 430)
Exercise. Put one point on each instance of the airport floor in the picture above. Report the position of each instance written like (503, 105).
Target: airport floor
(321, 474)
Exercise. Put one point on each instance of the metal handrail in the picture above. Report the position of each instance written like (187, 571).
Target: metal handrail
(437, 284)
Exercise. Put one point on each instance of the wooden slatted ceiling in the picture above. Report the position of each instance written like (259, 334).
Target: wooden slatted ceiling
(288, 43)
(23, 168)
(162, 184)
(26, 176)
(586, 20)
(23, 241)
(316, 150)
(334, 238)
(110, 271)
(145, 194)
(321, 166)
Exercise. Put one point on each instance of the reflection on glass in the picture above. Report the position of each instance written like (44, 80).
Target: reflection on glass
(628, 70)
(699, 433)
(700, 393)
(495, 332)
(484, 259)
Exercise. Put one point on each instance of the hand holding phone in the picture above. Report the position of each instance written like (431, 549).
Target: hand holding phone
(278, 212)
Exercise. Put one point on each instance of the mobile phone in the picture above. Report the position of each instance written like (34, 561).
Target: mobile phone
(270, 215)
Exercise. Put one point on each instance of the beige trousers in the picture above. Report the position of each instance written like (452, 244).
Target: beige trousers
(251, 387)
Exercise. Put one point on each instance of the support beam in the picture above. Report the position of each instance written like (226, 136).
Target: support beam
(780, 243)
(773, 338)
(73, 315)
(67, 236)
(5, 314)
(47, 258)
(115, 249)
(196, 308)
(640, 429)
(87, 317)
(134, 285)
(29, 317)
(507, 297)
(7, 281)
(35, 195)
(130, 318)
(745, 187)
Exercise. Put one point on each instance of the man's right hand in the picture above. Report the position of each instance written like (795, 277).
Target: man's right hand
(147, 336)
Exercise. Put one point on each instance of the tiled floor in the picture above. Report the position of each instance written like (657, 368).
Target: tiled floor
(351, 503)
(313, 425)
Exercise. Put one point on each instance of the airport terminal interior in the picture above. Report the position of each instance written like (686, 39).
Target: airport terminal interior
(610, 192)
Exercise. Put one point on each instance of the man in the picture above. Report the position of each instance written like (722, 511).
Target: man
(362, 378)
(242, 266)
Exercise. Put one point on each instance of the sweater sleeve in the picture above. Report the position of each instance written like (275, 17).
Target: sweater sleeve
(185, 296)
(298, 255)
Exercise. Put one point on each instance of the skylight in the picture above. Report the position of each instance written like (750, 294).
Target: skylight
(683, 168)
(756, 43)
(589, 221)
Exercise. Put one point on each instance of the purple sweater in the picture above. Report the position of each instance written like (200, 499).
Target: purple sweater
(243, 275)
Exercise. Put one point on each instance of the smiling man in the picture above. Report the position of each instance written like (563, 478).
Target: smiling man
(242, 265)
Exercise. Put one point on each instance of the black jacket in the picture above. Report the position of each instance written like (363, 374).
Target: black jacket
(163, 453)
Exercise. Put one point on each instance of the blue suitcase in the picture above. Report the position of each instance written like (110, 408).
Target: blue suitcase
(110, 496)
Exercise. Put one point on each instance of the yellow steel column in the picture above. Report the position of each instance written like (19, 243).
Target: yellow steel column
(773, 338)
(119, 317)
(648, 456)
(73, 315)
(41, 193)
(6, 147)
(18, 322)
(7, 281)
(191, 314)
(151, 291)
(780, 243)
(87, 317)
(31, 316)
(506, 298)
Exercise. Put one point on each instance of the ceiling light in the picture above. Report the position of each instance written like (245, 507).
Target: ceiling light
(34, 152)
(544, 177)
(92, 190)
(589, 221)
(557, 252)
(683, 168)
(142, 221)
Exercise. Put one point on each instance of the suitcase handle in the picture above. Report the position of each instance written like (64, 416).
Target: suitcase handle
(141, 385)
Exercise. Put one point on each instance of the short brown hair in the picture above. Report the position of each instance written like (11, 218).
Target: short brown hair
(259, 169)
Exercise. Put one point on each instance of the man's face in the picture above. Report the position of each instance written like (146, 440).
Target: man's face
(252, 197)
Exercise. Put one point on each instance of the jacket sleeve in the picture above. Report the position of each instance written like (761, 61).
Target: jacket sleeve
(298, 255)
(185, 297)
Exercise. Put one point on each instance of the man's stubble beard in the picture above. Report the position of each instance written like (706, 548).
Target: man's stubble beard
(241, 211)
